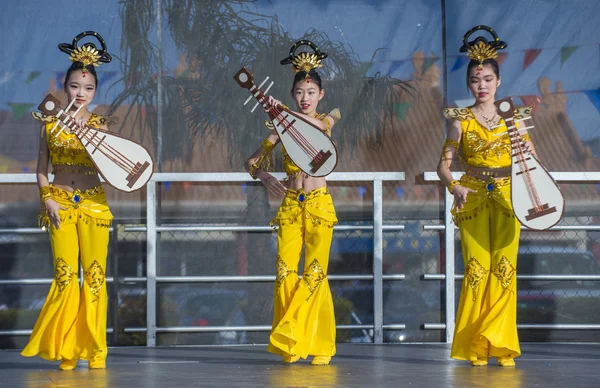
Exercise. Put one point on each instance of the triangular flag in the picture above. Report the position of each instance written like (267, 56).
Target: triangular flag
(428, 62)
(60, 77)
(364, 67)
(531, 100)
(461, 60)
(530, 56)
(401, 109)
(594, 96)
(33, 75)
(395, 65)
(19, 109)
(501, 58)
(565, 53)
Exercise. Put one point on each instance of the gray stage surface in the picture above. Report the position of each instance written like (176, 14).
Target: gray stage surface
(418, 365)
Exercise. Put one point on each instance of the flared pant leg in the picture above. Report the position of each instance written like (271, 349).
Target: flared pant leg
(72, 322)
(303, 321)
(486, 323)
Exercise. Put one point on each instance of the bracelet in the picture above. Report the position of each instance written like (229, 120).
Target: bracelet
(452, 184)
(45, 194)
(253, 170)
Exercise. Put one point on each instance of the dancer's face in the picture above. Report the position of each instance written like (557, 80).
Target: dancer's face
(307, 94)
(483, 86)
(81, 88)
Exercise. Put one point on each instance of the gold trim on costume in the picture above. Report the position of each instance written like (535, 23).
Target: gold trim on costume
(474, 274)
(313, 276)
(63, 276)
(283, 271)
(481, 51)
(264, 160)
(480, 146)
(460, 114)
(505, 272)
(306, 62)
(87, 55)
(94, 277)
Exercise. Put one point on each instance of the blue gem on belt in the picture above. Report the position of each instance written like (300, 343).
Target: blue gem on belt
(301, 197)
(77, 197)
(490, 186)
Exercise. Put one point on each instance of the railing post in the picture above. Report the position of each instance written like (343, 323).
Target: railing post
(450, 282)
(377, 261)
(151, 264)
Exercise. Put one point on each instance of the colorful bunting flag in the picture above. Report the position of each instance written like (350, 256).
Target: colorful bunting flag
(530, 56)
(19, 109)
(32, 75)
(501, 58)
(461, 60)
(594, 96)
(364, 67)
(565, 53)
(401, 109)
(428, 62)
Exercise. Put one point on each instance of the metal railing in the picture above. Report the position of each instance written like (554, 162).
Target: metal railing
(449, 231)
(152, 229)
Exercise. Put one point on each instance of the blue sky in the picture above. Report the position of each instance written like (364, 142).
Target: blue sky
(33, 30)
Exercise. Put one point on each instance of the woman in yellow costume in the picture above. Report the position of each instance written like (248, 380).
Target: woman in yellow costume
(72, 323)
(303, 319)
(486, 322)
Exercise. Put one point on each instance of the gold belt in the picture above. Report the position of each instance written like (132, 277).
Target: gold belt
(485, 173)
(301, 196)
(77, 196)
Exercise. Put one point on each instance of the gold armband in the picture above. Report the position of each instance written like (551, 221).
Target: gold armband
(447, 144)
(45, 194)
(335, 115)
(264, 160)
(452, 184)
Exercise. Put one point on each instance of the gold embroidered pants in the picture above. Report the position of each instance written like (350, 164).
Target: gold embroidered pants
(303, 319)
(72, 322)
(486, 321)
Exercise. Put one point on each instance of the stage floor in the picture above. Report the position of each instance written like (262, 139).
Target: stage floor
(414, 365)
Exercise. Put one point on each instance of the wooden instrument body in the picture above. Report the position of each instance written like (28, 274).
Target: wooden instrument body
(536, 198)
(124, 164)
(307, 145)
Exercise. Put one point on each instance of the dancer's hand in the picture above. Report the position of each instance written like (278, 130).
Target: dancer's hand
(271, 183)
(272, 103)
(460, 195)
(52, 208)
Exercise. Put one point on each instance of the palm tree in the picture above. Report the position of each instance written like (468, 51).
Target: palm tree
(217, 38)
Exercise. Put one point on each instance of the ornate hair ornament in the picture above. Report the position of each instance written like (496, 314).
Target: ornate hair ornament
(480, 48)
(88, 53)
(304, 61)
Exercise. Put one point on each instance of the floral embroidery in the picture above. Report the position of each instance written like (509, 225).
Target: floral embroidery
(94, 277)
(283, 271)
(63, 276)
(313, 276)
(505, 272)
(475, 274)
(476, 144)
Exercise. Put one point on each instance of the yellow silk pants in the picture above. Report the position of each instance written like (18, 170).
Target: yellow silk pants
(303, 319)
(72, 322)
(486, 321)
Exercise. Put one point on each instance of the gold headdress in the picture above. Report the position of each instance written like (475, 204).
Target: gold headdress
(480, 49)
(88, 54)
(304, 61)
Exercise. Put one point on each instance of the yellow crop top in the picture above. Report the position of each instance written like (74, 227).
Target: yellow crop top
(291, 169)
(482, 147)
(66, 149)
